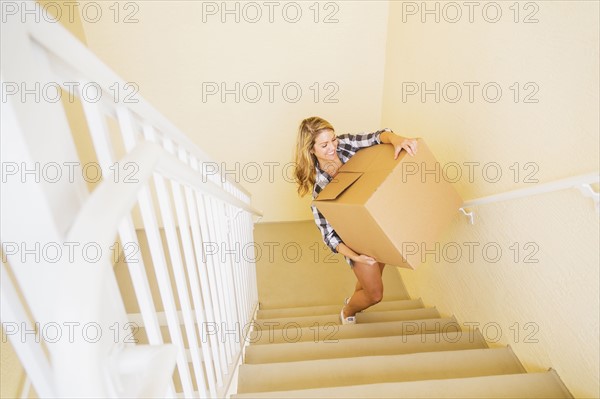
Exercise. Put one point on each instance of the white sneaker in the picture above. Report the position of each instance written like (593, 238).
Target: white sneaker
(347, 320)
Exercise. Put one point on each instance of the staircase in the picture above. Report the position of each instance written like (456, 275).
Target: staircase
(398, 348)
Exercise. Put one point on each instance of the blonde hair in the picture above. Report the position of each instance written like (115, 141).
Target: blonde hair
(304, 173)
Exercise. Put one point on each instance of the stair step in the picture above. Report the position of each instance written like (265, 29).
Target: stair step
(363, 317)
(377, 369)
(533, 385)
(328, 332)
(332, 309)
(397, 315)
(394, 345)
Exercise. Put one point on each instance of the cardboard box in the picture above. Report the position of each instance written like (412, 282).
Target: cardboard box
(383, 207)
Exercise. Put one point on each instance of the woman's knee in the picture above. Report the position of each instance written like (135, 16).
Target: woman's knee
(369, 277)
(375, 295)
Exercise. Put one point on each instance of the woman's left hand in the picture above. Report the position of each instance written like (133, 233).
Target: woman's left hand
(400, 143)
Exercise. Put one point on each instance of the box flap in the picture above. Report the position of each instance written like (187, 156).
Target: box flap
(338, 185)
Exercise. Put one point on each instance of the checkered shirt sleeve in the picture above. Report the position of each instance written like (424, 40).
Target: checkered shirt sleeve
(354, 142)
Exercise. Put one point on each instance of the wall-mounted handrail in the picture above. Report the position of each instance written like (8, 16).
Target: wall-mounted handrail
(583, 182)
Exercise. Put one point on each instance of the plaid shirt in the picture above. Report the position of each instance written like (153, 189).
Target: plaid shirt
(348, 145)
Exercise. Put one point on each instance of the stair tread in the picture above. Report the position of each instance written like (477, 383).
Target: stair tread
(363, 317)
(352, 347)
(531, 385)
(337, 331)
(386, 298)
(335, 308)
(377, 369)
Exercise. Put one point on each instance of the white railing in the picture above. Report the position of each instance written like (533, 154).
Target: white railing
(582, 182)
(65, 315)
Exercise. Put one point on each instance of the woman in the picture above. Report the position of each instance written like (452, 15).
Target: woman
(319, 155)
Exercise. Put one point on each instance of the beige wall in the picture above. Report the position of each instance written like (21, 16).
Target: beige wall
(170, 53)
(558, 135)
(68, 14)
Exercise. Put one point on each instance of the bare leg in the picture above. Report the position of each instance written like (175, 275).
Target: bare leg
(369, 288)
(359, 287)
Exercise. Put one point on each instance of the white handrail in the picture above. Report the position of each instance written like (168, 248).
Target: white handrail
(113, 199)
(583, 182)
(120, 196)
(80, 60)
(36, 361)
(209, 209)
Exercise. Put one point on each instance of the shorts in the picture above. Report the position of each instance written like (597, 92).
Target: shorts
(349, 261)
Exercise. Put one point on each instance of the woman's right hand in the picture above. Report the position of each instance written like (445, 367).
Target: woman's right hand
(365, 259)
(347, 251)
